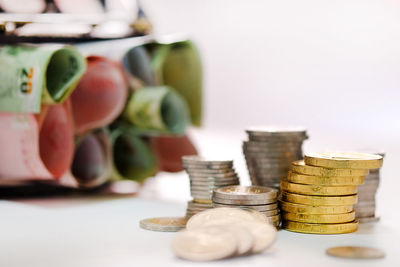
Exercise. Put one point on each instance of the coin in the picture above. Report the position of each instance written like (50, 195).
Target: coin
(208, 171)
(245, 192)
(205, 244)
(319, 218)
(242, 202)
(307, 209)
(301, 167)
(323, 180)
(277, 131)
(246, 240)
(368, 219)
(211, 216)
(202, 201)
(264, 234)
(318, 190)
(319, 200)
(213, 176)
(356, 252)
(163, 224)
(268, 207)
(344, 160)
(314, 228)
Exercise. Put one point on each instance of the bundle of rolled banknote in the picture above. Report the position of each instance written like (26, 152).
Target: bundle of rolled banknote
(83, 121)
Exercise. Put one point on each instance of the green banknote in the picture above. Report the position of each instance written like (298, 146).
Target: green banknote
(132, 156)
(178, 65)
(31, 75)
(157, 110)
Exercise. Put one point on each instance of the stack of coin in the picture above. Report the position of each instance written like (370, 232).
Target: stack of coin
(319, 193)
(205, 176)
(259, 198)
(365, 208)
(269, 152)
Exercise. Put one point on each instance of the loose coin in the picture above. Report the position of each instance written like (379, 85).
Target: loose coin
(314, 228)
(307, 209)
(344, 160)
(264, 234)
(324, 180)
(301, 167)
(163, 224)
(205, 244)
(319, 218)
(356, 252)
(318, 190)
(245, 192)
(319, 200)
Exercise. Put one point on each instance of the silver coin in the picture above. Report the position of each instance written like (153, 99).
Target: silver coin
(219, 175)
(277, 130)
(368, 219)
(365, 197)
(208, 171)
(362, 214)
(246, 192)
(243, 202)
(268, 207)
(270, 213)
(205, 243)
(163, 224)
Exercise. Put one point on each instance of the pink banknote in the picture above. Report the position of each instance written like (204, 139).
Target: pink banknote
(36, 147)
(100, 95)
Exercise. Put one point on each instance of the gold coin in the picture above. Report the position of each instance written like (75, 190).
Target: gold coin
(319, 218)
(318, 190)
(315, 228)
(344, 160)
(355, 252)
(307, 209)
(164, 224)
(300, 167)
(324, 180)
(319, 200)
(202, 201)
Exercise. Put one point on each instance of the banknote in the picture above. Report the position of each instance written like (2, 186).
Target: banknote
(32, 75)
(157, 109)
(132, 156)
(100, 96)
(31, 151)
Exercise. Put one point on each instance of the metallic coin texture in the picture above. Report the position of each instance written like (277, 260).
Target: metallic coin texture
(356, 252)
(163, 224)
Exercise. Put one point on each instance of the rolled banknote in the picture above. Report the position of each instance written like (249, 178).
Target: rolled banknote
(158, 110)
(31, 75)
(91, 165)
(100, 96)
(132, 156)
(169, 151)
(178, 65)
(30, 150)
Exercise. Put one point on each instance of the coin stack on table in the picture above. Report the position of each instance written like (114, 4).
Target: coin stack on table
(365, 207)
(205, 176)
(259, 198)
(269, 152)
(320, 192)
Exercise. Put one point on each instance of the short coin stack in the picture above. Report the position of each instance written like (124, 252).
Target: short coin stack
(205, 176)
(269, 152)
(259, 198)
(319, 193)
(365, 207)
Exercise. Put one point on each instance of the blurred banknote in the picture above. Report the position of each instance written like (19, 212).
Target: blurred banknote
(36, 147)
(100, 95)
(157, 109)
(31, 75)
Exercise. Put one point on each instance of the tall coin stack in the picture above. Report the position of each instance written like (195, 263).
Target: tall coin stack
(319, 193)
(365, 207)
(205, 176)
(260, 198)
(269, 152)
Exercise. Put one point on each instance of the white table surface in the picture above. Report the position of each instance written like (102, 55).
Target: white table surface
(104, 231)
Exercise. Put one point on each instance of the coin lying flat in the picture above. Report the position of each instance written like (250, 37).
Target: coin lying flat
(323, 180)
(308, 209)
(318, 190)
(205, 244)
(301, 167)
(344, 160)
(356, 252)
(245, 192)
(164, 224)
(315, 228)
(319, 200)
(208, 217)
